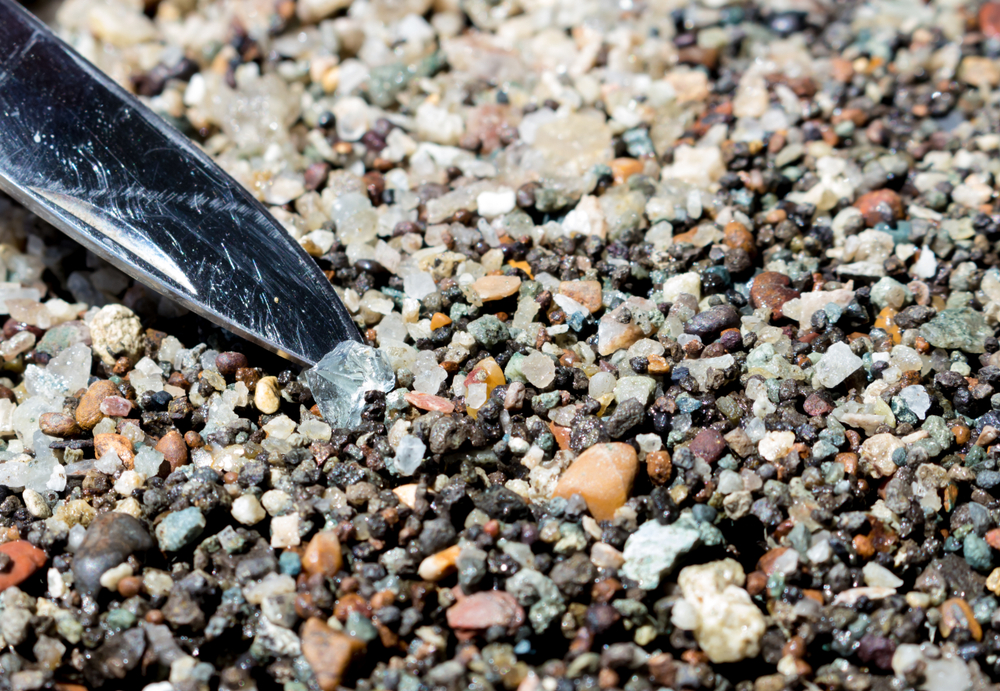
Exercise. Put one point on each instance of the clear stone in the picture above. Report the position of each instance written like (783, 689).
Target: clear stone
(148, 461)
(409, 454)
(340, 380)
(25, 417)
(316, 430)
(65, 374)
(836, 365)
(108, 464)
(418, 284)
(916, 399)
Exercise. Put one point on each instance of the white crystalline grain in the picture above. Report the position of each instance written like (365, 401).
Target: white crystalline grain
(725, 621)
(836, 365)
(418, 284)
(916, 399)
(341, 379)
(538, 369)
(429, 374)
(409, 454)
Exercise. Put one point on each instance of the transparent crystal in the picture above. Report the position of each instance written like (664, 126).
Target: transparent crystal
(65, 374)
(148, 461)
(409, 454)
(24, 419)
(836, 365)
(42, 473)
(917, 400)
(340, 380)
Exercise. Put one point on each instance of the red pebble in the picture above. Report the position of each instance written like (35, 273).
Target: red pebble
(27, 559)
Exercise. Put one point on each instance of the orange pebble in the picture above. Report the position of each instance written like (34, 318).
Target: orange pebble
(624, 168)
(439, 319)
(887, 322)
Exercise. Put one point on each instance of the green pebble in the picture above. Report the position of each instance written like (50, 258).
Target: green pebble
(489, 331)
(180, 529)
(977, 552)
(958, 328)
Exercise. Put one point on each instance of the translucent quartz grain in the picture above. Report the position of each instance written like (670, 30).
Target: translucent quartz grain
(341, 379)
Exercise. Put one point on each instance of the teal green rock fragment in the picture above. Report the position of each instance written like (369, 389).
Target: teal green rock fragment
(488, 331)
(180, 529)
(977, 552)
(958, 328)
(513, 369)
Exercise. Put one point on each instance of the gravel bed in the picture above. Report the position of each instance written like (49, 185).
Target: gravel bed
(684, 373)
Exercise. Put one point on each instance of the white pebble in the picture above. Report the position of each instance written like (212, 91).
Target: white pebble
(247, 510)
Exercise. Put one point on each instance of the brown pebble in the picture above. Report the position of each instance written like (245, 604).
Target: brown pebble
(177, 379)
(957, 614)
(249, 376)
(766, 562)
(122, 365)
(315, 175)
(58, 425)
(607, 678)
(659, 466)
(323, 555)
(117, 443)
(816, 406)
(193, 440)
(770, 289)
(8, 393)
(663, 669)
(328, 652)
(863, 546)
(88, 411)
(130, 586)
(796, 647)
(708, 445)
(736, 235)
(880, 205)
(756, 582)
(154, 616)
(174, 449)
(229, 362)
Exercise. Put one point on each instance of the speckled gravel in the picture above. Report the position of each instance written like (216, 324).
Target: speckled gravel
(691, 311)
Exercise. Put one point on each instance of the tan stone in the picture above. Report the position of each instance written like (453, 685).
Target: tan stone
(118, 443)
(979, 71)
(439, 565)
(603, 476)
(267, 396)
(877, 451)
(88, 412)
(328, 652)
(323, 555)
(496, 287)
(587, 293)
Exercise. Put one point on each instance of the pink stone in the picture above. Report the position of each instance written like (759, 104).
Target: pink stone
(480, 611)
(426, 401)
(116, 406)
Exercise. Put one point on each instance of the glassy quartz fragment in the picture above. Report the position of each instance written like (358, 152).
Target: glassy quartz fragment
(341, 379)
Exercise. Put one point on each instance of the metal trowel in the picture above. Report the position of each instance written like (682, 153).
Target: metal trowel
(89, 158)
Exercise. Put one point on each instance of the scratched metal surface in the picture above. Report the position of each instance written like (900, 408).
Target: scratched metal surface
(93, 161)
